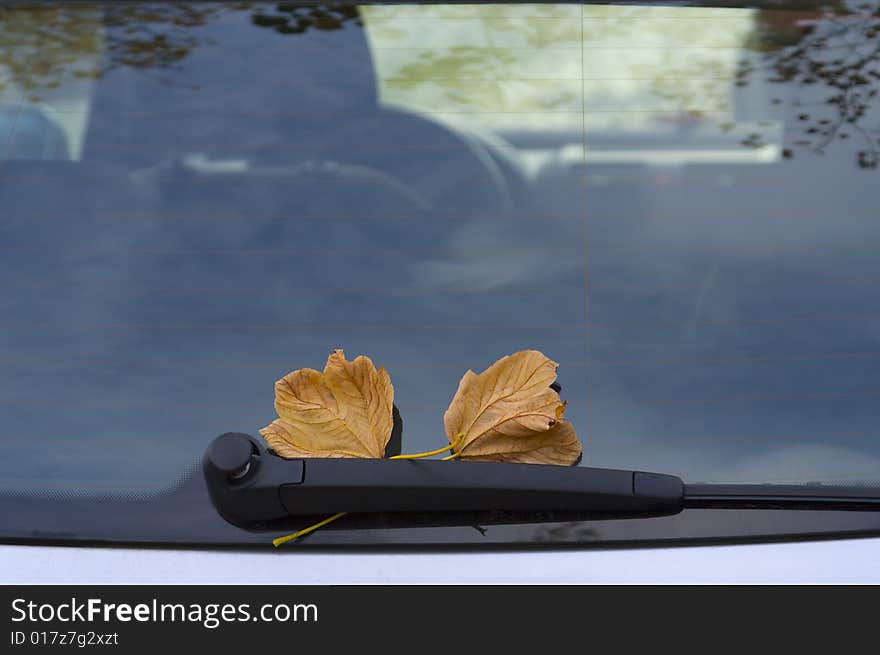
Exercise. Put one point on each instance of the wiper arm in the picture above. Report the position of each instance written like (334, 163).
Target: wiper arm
(249, 485)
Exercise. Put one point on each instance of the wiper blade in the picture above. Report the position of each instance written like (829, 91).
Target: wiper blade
(249, 485)
(782, 496)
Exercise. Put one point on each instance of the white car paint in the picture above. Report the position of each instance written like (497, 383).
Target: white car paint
(835, 561)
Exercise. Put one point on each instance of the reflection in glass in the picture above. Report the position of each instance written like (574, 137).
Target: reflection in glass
(676, 203)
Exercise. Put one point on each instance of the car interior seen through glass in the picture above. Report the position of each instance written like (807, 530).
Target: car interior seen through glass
(678, 203)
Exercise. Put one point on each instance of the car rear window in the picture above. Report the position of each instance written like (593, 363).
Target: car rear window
(679, 204)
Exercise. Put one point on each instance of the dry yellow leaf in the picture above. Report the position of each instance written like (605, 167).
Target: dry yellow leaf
(509, 413)
(346, 411)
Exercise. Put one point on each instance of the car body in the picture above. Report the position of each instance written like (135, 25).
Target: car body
(201, 201)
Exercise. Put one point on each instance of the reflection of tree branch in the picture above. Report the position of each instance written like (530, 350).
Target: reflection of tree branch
(868, 158)
(851, 75)
(292, 18)
(43, 45)
(830, 135)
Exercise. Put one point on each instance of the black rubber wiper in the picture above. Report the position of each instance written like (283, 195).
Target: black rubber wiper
(815, 496)
(249, 485)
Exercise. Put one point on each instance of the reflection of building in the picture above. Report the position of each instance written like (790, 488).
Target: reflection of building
(646, 84)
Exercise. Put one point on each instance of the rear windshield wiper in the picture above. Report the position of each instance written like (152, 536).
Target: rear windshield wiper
(249, 485)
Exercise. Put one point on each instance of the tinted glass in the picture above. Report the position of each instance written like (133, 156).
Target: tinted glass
(677, 204)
